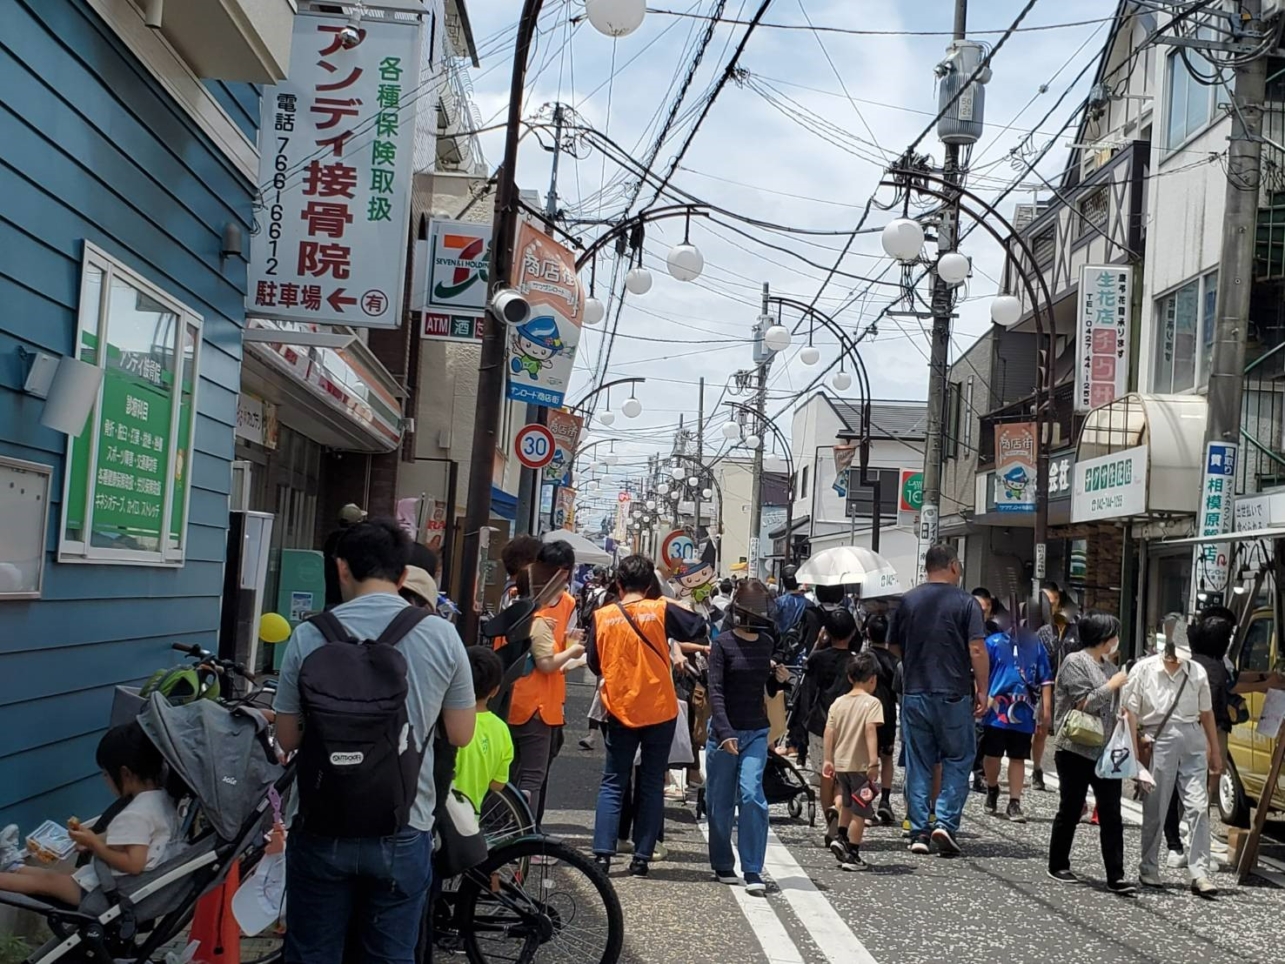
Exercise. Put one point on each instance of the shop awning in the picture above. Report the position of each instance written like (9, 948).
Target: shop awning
(795, 526)
(1171, 430)
(503, 505)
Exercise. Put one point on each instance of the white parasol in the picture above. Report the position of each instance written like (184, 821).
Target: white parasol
(852, 566)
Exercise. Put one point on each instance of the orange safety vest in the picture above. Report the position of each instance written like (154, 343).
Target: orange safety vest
(545, 693)
(637, 675)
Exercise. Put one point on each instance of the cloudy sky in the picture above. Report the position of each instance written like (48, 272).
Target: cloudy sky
(800, 139)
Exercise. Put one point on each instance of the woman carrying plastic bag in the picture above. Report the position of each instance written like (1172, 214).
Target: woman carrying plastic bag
(1085, 708)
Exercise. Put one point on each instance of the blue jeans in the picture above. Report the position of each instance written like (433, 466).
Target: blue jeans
(732, 781)
(372, 887)
(937, 729)
(622, 743)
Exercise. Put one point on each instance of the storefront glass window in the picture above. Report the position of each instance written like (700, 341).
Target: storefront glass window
(127, 473)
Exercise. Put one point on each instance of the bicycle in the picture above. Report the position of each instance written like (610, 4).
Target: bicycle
(258, 693)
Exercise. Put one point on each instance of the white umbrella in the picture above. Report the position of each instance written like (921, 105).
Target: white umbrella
(852, 566)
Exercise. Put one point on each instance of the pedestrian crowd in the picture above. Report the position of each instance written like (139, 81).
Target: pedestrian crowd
(778, 689)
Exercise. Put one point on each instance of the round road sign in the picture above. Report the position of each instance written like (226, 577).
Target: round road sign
(678, 548)
(534, 446)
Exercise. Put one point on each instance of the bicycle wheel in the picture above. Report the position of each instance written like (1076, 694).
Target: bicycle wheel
(539, 900)
(505, 815)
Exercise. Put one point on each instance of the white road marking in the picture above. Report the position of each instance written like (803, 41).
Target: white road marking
(767, 927)
(824, 925)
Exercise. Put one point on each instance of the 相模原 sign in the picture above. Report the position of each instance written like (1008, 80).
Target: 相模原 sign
(1015, 467)
(1102, 330)
(336, 149)
(542, 350)
(1215, 515)
(1110, 487)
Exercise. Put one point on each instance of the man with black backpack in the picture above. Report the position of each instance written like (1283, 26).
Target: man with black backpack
(798, 620)
(361, 689)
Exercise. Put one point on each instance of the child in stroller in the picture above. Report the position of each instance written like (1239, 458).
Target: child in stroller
(136, 840)
(222, 763)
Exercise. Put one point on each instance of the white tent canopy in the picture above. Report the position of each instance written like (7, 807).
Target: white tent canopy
(586, 552)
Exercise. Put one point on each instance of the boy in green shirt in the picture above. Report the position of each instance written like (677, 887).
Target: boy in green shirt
(484, 764)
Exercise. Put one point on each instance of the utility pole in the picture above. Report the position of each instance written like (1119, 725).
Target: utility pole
(763, 358)
(700, 462)
(1211, 563)
(529, 481)
(939, 357)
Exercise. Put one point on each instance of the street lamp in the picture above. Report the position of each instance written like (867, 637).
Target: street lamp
(676, 472)
(693, 481)
(810, 355)
(903, 239)
(752, 442)
(662, 489)
(607, 418)
(638, 281)
(707, 493)
(616, 18)
(1006, 310)
(953, 268)
(685, 262)
(777, 338)
(594, 311)
(632, 407)
(842, 381)
(731, 430)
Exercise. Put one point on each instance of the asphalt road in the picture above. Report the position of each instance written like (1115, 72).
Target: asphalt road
(993, 904)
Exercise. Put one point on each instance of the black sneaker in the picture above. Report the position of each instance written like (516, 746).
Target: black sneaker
(1125, 888)
(853, 863)
(755, 885)
(637, 867)
(947, 846)
(992, 799)
(1037, 780)
(979, 783)
(1015, 812)
(840, 850)
(920, 846)
(885, 815)
(726, 877)
(603, 862)
(1064, 876)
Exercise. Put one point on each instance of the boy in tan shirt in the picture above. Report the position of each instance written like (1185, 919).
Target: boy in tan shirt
(852, 758)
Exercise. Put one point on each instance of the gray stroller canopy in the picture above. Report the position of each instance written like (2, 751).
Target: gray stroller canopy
(222, 755)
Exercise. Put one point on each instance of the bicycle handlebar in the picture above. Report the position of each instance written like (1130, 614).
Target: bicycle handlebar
(187, 650)
(197, 653)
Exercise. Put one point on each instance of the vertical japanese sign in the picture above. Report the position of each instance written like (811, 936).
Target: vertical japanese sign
(1015, 467)
(1102, 336)
(542, 350)
(564, 508)
(336, 149)
(565, 429)
(624, 503)
(435, 524)
(1210, 562)
(843, 455)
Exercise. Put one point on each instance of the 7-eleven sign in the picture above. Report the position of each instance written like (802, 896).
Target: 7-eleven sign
(458, 268)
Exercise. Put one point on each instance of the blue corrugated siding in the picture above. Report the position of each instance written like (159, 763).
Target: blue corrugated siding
(241, 101)
(91, 148)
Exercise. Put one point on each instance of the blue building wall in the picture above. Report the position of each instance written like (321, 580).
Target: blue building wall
(91, 148)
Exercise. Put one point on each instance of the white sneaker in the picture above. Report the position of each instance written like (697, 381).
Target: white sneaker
(1176, 860)
(11, 852)
(659, 852)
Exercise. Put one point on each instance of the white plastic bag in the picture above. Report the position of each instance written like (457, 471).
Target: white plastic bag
(1119, 760)
(260, 901)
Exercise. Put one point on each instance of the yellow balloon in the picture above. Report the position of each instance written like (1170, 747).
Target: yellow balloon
(273, 628)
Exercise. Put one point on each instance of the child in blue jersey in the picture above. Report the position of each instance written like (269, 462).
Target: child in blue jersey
(1021, 701)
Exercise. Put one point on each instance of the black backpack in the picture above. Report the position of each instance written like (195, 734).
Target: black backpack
(360, 757)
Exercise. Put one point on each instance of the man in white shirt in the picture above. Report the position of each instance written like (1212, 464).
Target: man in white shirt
(1168, 701)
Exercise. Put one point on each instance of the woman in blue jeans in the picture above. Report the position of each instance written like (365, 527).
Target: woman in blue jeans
(740, 675)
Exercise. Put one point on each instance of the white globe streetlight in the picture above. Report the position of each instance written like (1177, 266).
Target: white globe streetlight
(1006, 310)
(594, 311)
(810, 355)
(693, 480)
(777, 338)
(903, 239)
(953, 268)
(607, 418)
(685, 262)
(842, 381)
(616, 18)
(662, 489)
(677, 472)
(632, 408)
(638, 281)
(753, 441)
(651, 503)
(707, 494)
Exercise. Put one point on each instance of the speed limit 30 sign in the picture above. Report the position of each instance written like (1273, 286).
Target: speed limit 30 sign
(533, 446)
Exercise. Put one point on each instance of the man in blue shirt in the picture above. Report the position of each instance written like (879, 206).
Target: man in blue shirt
(1021, 702)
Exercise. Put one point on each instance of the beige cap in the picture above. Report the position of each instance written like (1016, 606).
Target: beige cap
(421, 583)
(351, 514)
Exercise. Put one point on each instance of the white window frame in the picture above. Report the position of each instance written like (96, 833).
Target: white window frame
(1174, 62)
(75, 551)
(1205, 282)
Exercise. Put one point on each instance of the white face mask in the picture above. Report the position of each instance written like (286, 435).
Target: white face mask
(1114, 647)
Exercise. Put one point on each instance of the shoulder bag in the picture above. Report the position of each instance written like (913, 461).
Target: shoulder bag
(1147, 743)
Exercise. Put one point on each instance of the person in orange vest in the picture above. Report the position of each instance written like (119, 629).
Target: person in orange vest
(536, 709)
(628, 647)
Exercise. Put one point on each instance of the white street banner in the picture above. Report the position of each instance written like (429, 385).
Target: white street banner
(1111, 486)
(458, 268)
(542, 350)
(336, 149)
(1102, 342)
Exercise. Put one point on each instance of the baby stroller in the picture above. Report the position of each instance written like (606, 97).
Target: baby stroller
(784, 782)
(224, 762)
